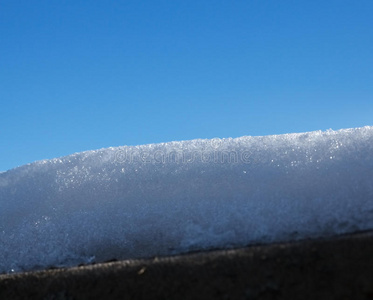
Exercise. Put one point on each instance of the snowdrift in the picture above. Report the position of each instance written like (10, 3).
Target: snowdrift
(163, 199)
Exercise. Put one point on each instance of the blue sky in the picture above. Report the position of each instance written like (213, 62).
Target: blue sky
(81, 75)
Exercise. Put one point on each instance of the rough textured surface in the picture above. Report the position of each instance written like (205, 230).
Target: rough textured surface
(338, 268)
(172, 198)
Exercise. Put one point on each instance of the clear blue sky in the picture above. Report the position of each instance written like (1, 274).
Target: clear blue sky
(81, 75)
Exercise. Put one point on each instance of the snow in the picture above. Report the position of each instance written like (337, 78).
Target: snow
(169, 198)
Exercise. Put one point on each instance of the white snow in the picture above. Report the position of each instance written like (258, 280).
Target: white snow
(161, 199)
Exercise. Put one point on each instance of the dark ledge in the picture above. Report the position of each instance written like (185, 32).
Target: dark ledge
(335, 268)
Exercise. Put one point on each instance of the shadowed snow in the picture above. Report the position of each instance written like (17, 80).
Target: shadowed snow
(160, 199)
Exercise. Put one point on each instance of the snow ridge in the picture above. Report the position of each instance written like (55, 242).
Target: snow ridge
(168, 198)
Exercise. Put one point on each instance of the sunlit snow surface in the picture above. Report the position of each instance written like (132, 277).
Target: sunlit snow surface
(169, 198)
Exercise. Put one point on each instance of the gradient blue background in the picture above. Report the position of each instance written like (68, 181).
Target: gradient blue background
(81, 75)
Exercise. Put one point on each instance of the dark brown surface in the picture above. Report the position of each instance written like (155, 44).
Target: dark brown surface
(337, 268)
